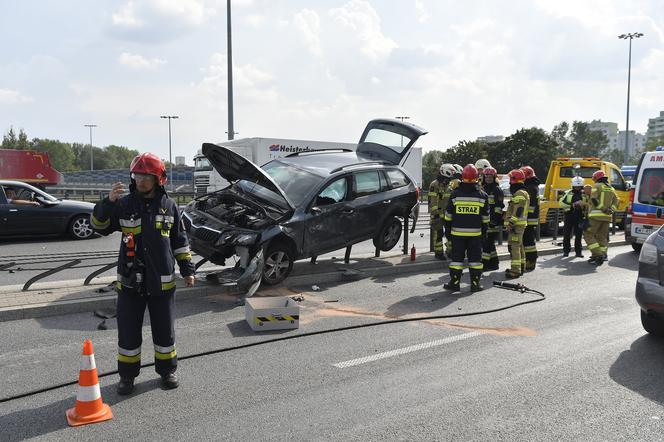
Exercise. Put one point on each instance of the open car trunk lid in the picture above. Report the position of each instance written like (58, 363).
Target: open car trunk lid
(388, 140)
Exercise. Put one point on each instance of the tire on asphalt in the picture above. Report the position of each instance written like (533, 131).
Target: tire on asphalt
(389, 234)
(652, 324)
(80, 228)
(278, 263)
(637, 247)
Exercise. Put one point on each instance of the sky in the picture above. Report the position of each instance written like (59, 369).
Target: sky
(321, 69)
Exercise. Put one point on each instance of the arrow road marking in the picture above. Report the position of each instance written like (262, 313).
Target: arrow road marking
(405, 350)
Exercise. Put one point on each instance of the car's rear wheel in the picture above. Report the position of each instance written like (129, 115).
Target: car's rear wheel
(278, 263)
(80, 227)
(653, 324)
(637, 247)
(389, 234)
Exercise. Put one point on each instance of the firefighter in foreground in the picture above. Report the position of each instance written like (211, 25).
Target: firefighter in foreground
(495, 198)
(530, 236)
(153, 239)
(439, 195)
(603, 202)
(516, 219)
(573, 203)
(466, 219)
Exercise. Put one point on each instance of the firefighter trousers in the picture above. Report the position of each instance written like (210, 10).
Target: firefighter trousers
(463, 246)
(517, 252)
(597, 237)
(572, 227)
(130, 312)
(489, 253)
(529, 247)
(438, 235)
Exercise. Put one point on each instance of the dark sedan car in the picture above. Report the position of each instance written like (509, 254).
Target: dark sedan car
(305, 204)
(26, 210)
(650, 283)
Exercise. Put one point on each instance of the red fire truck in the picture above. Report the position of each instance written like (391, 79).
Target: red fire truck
(28, 166)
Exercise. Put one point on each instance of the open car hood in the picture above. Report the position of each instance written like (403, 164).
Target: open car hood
(388, 140)
(234, 167)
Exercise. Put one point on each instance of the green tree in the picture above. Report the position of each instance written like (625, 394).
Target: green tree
(431, 162)
(9, 139)
(61, 154)
(533, 147)
(653, 142)
(466, 152)
(120, 157)
(579, 140)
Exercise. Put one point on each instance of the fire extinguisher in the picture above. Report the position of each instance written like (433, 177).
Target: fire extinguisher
(412, 253)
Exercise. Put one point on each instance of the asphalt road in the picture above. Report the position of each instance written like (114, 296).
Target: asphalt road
(576, 366)
(36, 249)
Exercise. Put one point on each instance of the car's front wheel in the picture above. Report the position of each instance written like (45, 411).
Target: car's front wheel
(389, 234)
(653, 324)
(278, 263)
(80, 227)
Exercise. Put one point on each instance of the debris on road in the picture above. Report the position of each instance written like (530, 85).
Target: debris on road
(315, 288)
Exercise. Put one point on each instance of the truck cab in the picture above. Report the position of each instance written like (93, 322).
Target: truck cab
(559, 181)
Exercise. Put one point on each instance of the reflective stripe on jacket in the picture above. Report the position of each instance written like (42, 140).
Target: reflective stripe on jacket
(604, 202)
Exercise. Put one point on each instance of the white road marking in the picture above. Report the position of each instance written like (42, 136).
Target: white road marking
(405, 350)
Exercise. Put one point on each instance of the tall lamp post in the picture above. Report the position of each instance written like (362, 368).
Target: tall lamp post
(629, 36)
(231, 131)
(90, 126)
(170, 158)
(402, 119)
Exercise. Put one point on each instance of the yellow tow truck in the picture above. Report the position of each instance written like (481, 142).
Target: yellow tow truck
(559, 181)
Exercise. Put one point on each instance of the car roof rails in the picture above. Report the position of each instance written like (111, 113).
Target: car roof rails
(309, 152)
(367, 163)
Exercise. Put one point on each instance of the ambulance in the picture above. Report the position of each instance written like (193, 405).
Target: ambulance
(645, 212)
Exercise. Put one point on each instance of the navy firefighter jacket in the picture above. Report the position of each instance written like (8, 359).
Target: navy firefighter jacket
(159, 239)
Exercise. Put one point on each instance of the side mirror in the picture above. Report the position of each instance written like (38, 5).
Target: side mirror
(316, 210)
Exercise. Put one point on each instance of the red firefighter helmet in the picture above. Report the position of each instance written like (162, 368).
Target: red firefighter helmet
(599, 174)
(470, 174)
(528, 172)
(517, 176)
(151, 164)
(489, 171)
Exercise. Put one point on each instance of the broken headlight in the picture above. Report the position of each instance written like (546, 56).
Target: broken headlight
(237, 239)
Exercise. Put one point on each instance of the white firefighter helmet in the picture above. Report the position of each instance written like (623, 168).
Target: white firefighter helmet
(482, 164)
(447, 170)
(458, 168)
(577, 181)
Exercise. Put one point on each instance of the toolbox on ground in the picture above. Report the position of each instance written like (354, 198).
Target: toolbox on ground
(274, 313)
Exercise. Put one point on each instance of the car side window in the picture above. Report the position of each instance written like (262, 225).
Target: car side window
(616, 180)
(366, 183)
(333, 193)
(3, 198)
(397, 178)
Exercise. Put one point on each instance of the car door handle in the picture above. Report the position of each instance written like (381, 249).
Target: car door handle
(387, 201)
(348, 211)
(13, 210)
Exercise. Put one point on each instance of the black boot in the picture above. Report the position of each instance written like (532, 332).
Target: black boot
(441, 256)
(125, 386)
(475, 276)
(455, 280)
(510, 274)
(170, 381)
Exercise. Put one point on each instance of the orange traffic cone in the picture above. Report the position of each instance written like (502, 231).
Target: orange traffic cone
(89, 406)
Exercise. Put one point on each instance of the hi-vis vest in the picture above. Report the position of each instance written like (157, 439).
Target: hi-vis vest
(603, 201)
(567, 200)
(159, 240)
(517, 210)
(439, 195)
(467, 212)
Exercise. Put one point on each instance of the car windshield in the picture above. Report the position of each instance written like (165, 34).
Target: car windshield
(296, 183)
(583, 172)
(651, 189)
(201, 164)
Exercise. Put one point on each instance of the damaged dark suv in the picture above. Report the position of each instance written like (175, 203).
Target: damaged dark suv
(305, 204)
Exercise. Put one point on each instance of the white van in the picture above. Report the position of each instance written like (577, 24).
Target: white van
(645, 212)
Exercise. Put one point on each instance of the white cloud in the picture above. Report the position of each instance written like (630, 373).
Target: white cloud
(422, 13)
(138, 62)
(254, 20)
(359, 18)
(307, 23)
(11, 96)
(126, 16)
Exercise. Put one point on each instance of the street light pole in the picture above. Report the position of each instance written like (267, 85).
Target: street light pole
(231, 132)
(91, 154)
(402, 118)
(170, 157)
(629, 36)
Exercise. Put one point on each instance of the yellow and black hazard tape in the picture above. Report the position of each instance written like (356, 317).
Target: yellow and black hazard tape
(277, 318)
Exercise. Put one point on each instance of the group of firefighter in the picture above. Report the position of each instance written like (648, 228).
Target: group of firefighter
(467, 210)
